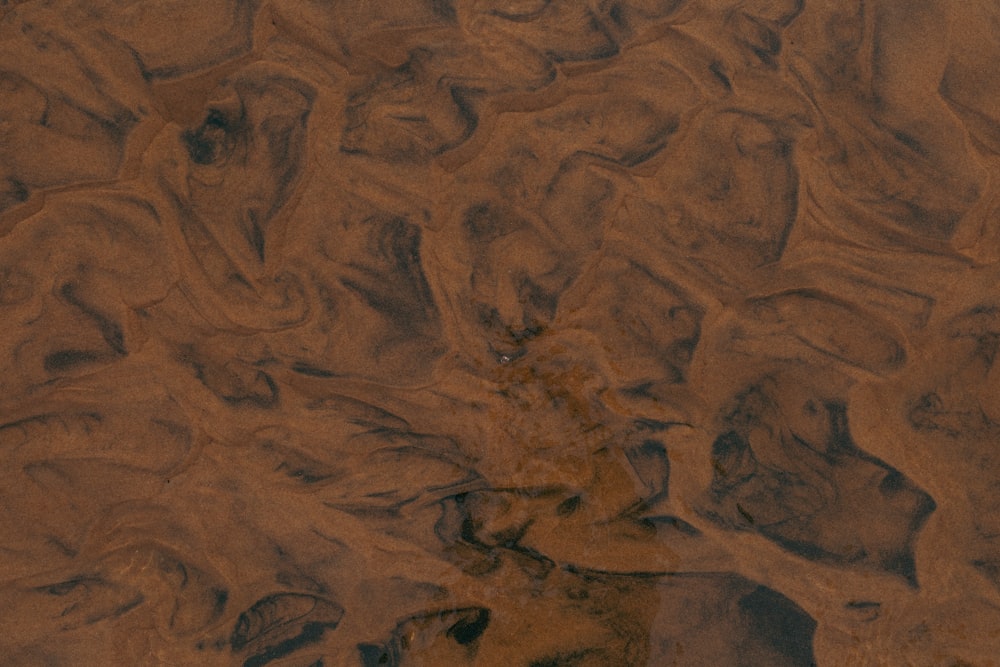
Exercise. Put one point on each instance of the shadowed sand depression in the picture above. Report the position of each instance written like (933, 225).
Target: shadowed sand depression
(540, 333)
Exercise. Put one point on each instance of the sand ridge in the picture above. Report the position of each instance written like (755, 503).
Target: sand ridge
(566, 333)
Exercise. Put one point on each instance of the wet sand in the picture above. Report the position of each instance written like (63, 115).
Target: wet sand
(540, 333)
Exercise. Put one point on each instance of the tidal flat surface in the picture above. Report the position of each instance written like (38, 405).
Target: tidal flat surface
(537, 333)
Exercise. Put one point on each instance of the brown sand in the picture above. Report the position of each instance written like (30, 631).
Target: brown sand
(538, 333)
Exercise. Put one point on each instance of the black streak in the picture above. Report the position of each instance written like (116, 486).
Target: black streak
(568, 506)
(221, 598)
(781, 623)
(744, 514)
(470, 628)
(445, 10)
(64, 587)
(17, 190)
(66, 359)
(862, 604)
(373, 655)
(311, 632)
(486, 221)
(396, 285)
(615, 14)
(213, 140)
(903, 563)
(280, 622)
(460, 96)
(110, 330)
(606, 50)
(259, 400)
(254, 234)
(562, 659)
(680, 525)
(716, 69)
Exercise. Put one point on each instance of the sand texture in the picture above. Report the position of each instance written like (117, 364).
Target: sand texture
(525, 333)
